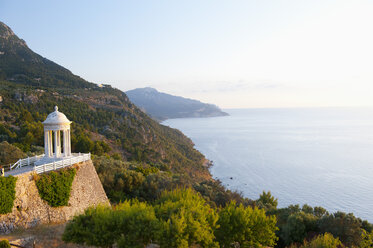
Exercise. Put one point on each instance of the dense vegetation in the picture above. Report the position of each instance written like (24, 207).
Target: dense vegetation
(7, 194)
(322, 241)
(145, 182)
(298, 224)
(54, 187)
(9, 153)
(179, 218)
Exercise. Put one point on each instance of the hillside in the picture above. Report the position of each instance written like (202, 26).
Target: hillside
(104, 119)
(163, 106)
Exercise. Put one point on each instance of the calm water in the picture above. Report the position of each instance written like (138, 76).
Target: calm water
(319, 156)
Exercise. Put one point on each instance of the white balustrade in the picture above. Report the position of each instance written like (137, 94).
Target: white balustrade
(64, 162)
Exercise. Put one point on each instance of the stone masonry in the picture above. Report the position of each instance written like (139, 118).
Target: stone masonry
(30, 210)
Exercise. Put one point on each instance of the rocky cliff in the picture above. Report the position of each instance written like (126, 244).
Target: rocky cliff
(29, 209)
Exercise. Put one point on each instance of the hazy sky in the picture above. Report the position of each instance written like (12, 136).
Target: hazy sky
(232, 53)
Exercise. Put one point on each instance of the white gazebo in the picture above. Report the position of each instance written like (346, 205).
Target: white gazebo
(57, 141)
(57, 150)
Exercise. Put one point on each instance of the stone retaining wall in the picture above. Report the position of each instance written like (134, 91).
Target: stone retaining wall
(29, 209)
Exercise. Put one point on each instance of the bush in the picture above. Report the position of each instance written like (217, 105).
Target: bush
(246, 226)
(95, 227)
(131, 224)
(9, 153)
(7, 194)
(4, 244)
(137, 223)
(323, 241)
(345, 226)
(187, 219)
(55, 186)
(267, 201)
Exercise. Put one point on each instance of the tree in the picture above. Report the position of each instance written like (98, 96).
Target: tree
(186, 219)
(9, 153)
(323, 241)
(345, 226)
(131, 224)
(246, 226)
(83, 144)
(138, 224)
(366, 240)
(95, 227)
(267, 201)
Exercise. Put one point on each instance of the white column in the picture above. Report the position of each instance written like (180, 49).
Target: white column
(64, 143)
(68, 142)
(59, 143)
(50, 144)
(55, 143)
(46, 141)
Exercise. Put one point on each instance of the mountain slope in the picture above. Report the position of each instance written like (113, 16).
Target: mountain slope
(31, 85)
(163, 106)
(20, 64)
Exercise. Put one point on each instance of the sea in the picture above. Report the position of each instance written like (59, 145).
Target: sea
(315, 156)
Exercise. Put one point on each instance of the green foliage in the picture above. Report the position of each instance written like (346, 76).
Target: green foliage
(9, 153)
(96, 226)
(179, 218)
(55, 186)
(345, 226)
(217, 195)
(4, 243)
(267, 201)
(138, 224)
(245, 226)
(187, 219)
(297, 224)
(83, 144)
(323, 241)
(131, 224)
(7, 194)
(146, 171)
(366, 239)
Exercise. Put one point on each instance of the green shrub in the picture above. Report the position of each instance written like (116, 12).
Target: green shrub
(131, 224)
(188, 221)
(4, 244)
(323, 241)
(7, 194)
(246, 226)
(55, 186)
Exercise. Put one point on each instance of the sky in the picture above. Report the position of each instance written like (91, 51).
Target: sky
(236, 54)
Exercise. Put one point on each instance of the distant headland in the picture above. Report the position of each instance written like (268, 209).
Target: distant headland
(162, 106)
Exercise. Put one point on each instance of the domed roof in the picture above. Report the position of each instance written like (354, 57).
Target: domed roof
(56, 118)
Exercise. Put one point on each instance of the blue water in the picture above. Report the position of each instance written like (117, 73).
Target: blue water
(319, 156)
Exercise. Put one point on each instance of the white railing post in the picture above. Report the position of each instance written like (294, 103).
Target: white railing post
(54, 165)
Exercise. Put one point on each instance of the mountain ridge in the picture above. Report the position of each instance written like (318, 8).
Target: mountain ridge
(162, 106)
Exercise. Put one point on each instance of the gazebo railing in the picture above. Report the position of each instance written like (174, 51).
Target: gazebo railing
(25, 162)
(76, 158)
(61, 163)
